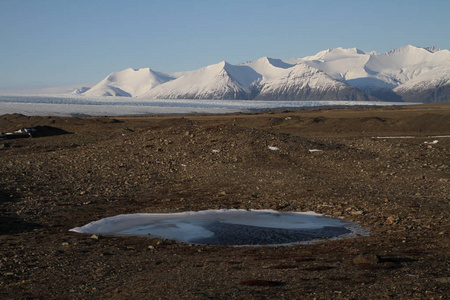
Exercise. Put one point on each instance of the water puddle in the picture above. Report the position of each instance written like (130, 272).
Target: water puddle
(227, 227)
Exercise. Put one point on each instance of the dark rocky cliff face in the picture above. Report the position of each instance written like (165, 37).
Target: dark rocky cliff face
(308, 93)
(429, 95)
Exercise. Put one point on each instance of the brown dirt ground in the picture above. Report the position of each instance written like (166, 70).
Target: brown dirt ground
(398, 189)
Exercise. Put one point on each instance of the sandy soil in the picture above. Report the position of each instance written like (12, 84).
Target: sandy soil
(83, 169)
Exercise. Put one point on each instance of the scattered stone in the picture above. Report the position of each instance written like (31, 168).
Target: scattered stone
(166, 242)
(357, 212)
(443, 280)
(366, 259)
(391, 220)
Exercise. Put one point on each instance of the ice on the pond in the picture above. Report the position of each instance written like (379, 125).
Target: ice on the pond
(171, 230)
(225, 227)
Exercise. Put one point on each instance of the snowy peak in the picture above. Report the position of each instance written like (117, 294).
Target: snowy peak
(335, 53)
(274, 62)
(303, 82)
(403, 64)
(411, 55)
(279, 63)
(243, 75)
(219, 66)
(407, 48)
(417, 50)
(401, 57)
(128, 83)
(211, 82)
(268, 67)
(379, 74)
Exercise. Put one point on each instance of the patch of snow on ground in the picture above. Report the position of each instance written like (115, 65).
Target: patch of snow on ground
(431, 143)
(314, 150)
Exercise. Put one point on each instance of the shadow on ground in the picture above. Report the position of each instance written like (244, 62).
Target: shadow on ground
(11, 223)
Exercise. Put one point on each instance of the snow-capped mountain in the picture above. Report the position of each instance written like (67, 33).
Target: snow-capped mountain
(433, 86)
(300, 82)
(264, 79)
(129, 83)
(405, 74)
(387, 75)
(211, 82)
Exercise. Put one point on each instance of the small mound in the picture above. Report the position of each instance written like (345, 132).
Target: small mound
(33, 132)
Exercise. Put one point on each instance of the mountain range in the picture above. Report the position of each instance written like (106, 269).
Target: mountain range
(410, 74)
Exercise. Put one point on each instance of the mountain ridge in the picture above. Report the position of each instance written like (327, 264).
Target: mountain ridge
(408, 73)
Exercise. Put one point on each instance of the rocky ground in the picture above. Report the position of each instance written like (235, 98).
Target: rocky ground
(83, 169)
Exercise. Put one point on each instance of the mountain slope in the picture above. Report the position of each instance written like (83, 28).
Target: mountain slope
(303, 82)
(211, 82)
(380, 74)
(433, 86)
(264, 79)
(268, 67)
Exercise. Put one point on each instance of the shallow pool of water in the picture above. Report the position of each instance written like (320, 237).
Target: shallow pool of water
(226, 227)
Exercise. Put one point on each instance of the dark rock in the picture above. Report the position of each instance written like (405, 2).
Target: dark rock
(366, 259)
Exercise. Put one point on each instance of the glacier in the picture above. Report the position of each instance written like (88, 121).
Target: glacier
(75, 105)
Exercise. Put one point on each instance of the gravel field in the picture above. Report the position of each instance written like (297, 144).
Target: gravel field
(78, 170)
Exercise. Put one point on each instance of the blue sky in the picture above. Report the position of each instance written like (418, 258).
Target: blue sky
(64, 42)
